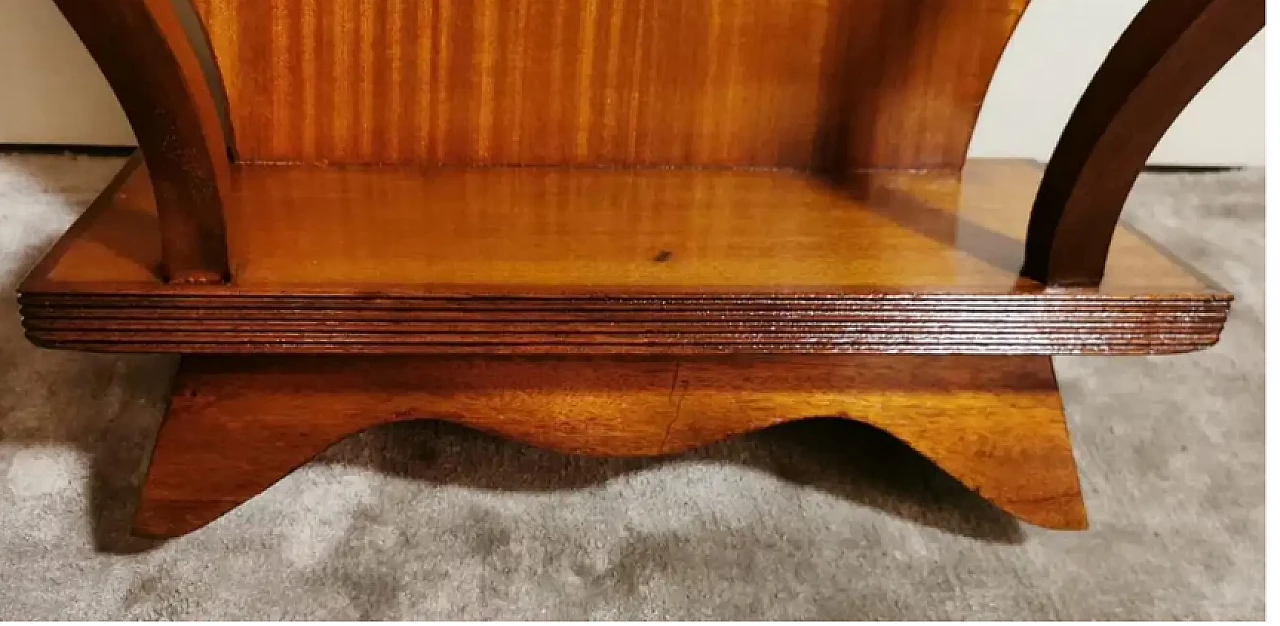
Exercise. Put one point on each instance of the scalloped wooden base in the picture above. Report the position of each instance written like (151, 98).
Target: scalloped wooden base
(236, 425)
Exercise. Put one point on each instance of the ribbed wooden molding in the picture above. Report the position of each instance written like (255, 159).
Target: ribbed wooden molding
(662, 325)
(543, 261)
(753, 178)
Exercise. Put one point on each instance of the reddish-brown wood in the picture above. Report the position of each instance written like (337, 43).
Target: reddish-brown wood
(1164, 59)
(917, 76)
(544, 260)
(143, 51)
(237, 425)
(815, 206)
(774, 83)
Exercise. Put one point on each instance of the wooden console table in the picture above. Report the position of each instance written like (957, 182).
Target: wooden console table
(615, 227)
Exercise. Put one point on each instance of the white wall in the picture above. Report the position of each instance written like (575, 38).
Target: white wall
(1055, 53)
(53, 93)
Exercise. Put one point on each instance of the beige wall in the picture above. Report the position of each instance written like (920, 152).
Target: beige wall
(54, 94)
(51, 90)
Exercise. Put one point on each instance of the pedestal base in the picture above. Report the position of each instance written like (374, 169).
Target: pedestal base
(236, 425)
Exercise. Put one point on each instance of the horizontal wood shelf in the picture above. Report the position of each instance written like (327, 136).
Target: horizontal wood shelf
(608, 261)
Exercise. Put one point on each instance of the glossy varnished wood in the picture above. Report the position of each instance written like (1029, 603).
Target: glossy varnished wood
(1169, 53)
(804, 84)
(504, 231)
(143, 51)
(548, 260)
(749, 177)
(237, 425)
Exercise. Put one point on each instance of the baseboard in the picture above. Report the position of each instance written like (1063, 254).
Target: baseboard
(1191, 169)
(80, 150)
(124, 151)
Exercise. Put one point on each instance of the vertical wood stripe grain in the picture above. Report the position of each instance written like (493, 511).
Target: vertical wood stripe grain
(898, 83)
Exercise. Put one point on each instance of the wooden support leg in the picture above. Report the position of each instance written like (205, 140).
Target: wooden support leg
(236, 425)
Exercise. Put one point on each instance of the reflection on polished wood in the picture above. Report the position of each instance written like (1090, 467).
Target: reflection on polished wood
(685, 261)
(545, 230)
(723, 186)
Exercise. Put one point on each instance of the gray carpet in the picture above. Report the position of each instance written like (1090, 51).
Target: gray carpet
(814, 520)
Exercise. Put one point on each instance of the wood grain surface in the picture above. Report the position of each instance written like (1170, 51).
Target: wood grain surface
(615, 177)
(812, 84)
(544, 260)
(238, 425)
(1170, 52)
(142, 50)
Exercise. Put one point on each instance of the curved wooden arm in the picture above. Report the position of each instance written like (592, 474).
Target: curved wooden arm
(147, 58)
(1170, 52)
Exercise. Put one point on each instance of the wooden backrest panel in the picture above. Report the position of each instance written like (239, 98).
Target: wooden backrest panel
(774, 83)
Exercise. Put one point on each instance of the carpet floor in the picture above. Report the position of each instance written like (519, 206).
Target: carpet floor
(816, 520)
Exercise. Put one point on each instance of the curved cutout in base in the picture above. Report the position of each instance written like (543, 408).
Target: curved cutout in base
(237, 425)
